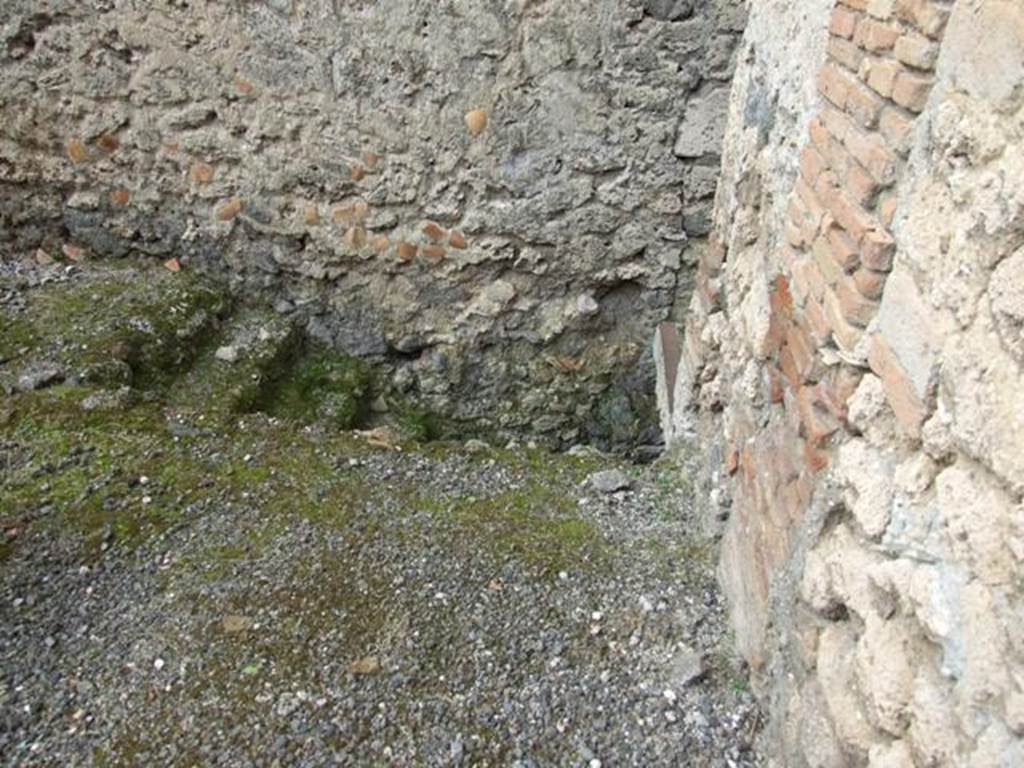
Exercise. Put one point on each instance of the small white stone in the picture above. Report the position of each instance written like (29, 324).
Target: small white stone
(158, 664)
(670, 696)
(143, 480)
(597, 616)
(147, 499)
(227, 354)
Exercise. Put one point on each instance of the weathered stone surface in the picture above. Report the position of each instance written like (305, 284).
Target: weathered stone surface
(300, 147)
(609, 481)
(872, 451)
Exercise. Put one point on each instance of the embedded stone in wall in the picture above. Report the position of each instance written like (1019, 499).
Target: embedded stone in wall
(301, 146)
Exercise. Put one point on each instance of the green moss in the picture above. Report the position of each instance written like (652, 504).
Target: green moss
(536, 524)
(418, 422)
(323, 385)
(151, 325)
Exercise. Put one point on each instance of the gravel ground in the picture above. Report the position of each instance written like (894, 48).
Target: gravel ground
(304, 597)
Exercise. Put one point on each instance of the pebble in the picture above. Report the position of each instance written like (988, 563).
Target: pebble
(227, 354)
(609, 481)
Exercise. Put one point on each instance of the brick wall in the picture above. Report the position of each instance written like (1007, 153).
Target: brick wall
(854, 387)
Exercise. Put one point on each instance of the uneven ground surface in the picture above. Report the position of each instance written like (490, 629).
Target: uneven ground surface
(200, 564)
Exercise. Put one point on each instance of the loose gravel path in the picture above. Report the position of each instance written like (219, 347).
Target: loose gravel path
(259, 593)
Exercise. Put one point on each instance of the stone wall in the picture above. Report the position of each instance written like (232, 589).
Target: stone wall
(851, 374)
(492, 199)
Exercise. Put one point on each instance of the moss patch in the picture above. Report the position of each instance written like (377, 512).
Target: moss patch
(321, 386)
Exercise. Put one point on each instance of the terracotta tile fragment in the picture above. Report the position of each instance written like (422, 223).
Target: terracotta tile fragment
(406, 251)
(77, 151)
(355, 237)
(108, 143)
(476, 121)
(201, 173)
(172, 265)
(434, 231)
(230, 208)
(120, 197)
(73, 252)
(434, 252)
(311, 215)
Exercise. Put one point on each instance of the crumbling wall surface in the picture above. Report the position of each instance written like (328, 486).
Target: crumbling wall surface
(493, 197)
(858, 362)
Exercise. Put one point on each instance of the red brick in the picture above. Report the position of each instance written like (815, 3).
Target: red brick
(794, 234)
(837, 157)
(817, 424)
(834, 84)
(861, 186)
(877, 249)
(819, 133)
(880, 9)
(843, 22)
(882, 76)
(802, 280)
(863, 105)
(836, 387)
(781, 303)
(786, 255)
(846, 335)
(790, 371)
(811, 164)
(775, 388)
(910, 410)
(845, 251)
(801, 346)
(857, 309)
(895, 128)
(916, 51)
(850, 216)
(827, 265)
(876, 36)
(811, 201)
(815, 459)
(871, 151)
(846, 53)
(836, 122)
(887, 209)
(928, 16)
(869, 282)
(911, 90)
(816, 320)
(803, 218)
